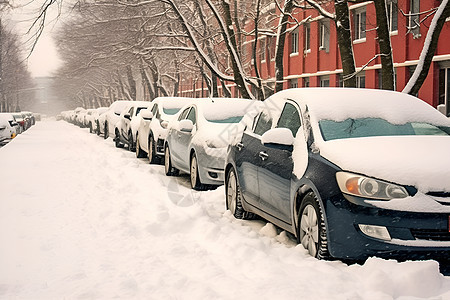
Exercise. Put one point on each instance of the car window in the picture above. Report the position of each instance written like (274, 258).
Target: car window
(366, 127)
(139, 109)
(290, 118)
(191, 115)
(131, 111)
(264, 123)
(183, 114)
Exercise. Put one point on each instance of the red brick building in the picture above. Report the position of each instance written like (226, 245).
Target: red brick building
(312, 57)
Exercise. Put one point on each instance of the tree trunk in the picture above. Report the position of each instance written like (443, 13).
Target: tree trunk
(281, 38)
(260, 93)
(344, 38)
(131, 83)
(384, 40)
(230, 42)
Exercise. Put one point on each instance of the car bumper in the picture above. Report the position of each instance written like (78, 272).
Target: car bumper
(412, 235)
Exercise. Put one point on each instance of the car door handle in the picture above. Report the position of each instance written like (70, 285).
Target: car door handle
(263, 155)
(240, 146)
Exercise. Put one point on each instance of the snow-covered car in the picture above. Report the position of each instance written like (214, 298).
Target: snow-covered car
(352, 173)
(7, 128)
(109, 118)
(126, 127)
(197, 139)
(92, 119)
(13, 122)
(20, 119)
(152, 130)
(87, 119)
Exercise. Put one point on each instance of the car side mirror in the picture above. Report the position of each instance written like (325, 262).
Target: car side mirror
(277, 137)
(186, 125)
(127, 116)
(146, 114)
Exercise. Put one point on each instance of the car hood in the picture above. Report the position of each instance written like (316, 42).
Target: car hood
(420, 161)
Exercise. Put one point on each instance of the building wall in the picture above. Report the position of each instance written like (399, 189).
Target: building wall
(311, 65)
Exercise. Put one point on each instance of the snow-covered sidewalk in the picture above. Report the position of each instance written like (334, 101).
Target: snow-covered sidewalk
(80, 219)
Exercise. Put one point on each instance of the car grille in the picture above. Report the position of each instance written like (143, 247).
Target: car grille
(431, 234)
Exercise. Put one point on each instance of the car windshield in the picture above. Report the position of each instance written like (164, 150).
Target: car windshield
(367, 127)
(171, 111)
(233, 119)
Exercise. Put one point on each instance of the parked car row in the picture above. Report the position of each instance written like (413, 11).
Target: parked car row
(12, 124)
(351, 173)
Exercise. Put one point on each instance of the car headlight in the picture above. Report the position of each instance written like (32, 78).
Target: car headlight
(366, 187)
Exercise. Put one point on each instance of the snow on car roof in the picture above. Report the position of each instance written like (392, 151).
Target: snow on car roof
(173, 102)
(223, 108)
(339, 104)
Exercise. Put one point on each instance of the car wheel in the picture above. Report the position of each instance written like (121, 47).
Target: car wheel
(130, 142)
(169, 169)
(234, 198)
(97, 129)
(105, 132)
(139, 152)
(195, 178)
(117, 140)
(152, 157)
(312, 232)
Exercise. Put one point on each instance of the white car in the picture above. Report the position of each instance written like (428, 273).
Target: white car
(198, 138)
(126, 127)
(7, 128)
(91, 119)
(109, 118)
(152, 130)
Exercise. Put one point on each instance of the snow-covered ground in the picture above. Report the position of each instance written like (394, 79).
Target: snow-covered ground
(80, 219)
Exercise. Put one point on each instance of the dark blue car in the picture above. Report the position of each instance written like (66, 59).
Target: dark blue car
(352, 173)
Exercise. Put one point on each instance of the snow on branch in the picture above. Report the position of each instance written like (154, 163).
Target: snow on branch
(321, 10)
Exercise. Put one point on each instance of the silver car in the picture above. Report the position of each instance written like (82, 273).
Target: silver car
(198, 138)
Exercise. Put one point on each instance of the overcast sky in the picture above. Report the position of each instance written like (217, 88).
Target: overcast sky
(44, 60)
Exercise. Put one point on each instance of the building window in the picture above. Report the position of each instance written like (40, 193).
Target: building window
(444, 89)
(414, 19)
(361, 80)
(293, 83)
(359, 19)
(306, 82)
(392, 13)
(324, 81)
(307, 27)
(262, 50)
(272, 46)
(324, 35)
(294, 41)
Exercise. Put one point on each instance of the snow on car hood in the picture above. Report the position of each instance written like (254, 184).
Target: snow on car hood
(420, 161)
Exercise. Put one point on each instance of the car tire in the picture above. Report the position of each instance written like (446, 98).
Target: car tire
(130, 142)
(152, 157)
(105, 132)
(97, 129)
(168, 168)
(311, 231)
(234, 197)
(139, 152)
(194, 176)
(117, 140)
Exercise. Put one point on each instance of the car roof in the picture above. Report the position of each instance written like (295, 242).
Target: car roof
(339, 104)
